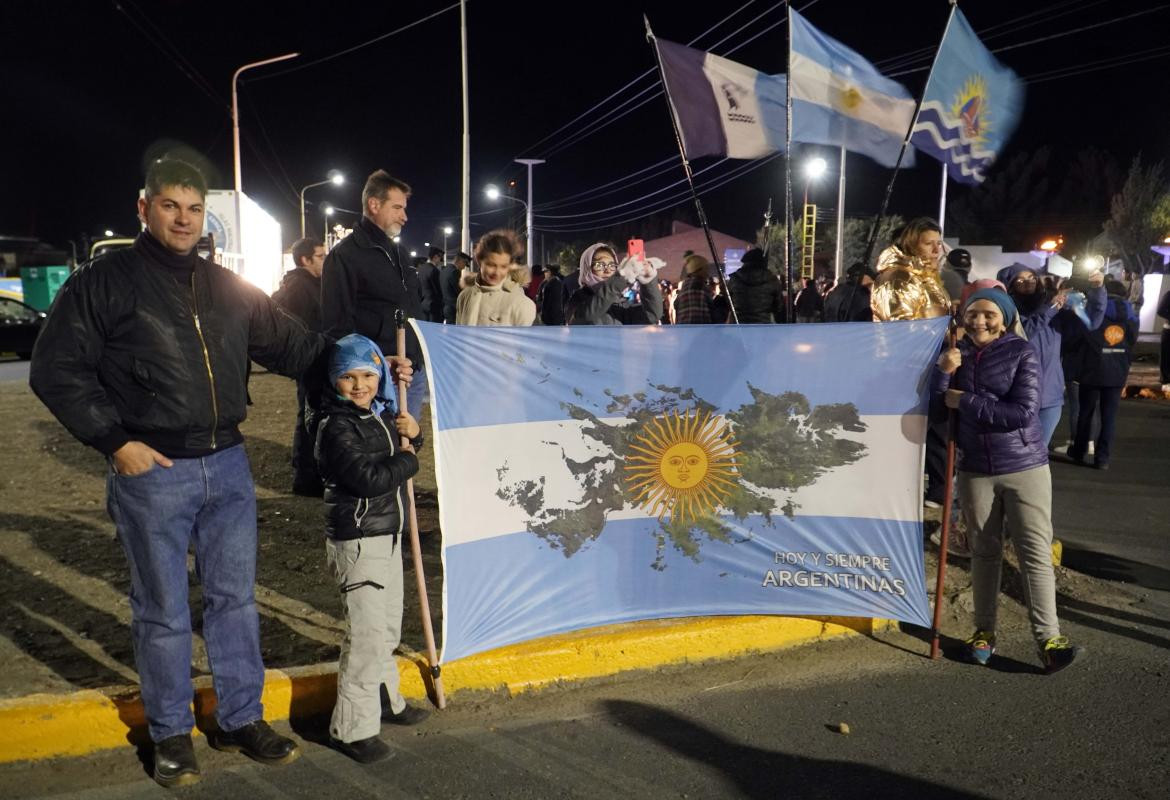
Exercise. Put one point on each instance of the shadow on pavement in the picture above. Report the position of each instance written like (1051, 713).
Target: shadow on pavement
(758, 773)
(1116, 568)
(1074, 611)
(952, 650)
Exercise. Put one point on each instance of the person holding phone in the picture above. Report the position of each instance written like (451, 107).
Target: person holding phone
(598, 298)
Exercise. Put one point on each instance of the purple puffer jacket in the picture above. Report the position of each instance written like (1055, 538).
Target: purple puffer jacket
(999, 412)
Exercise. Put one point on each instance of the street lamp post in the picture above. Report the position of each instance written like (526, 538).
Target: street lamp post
(236, 111)
(327, 212)
(530, 163)
(447, 231)
(335, 177)
(493, 193)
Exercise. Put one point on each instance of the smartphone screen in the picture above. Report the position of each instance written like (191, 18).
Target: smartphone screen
(636, 247)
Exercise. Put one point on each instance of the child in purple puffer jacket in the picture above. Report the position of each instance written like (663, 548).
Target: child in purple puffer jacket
(991, 380)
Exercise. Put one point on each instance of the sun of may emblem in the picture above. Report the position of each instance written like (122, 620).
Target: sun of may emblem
(683, 465)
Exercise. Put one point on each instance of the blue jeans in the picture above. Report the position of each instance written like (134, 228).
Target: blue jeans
(209, 504)
(1049, 419)
(417, 393)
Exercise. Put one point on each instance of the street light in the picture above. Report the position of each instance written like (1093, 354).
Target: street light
(813, 169)
(493, 193)
(447, 231)
(236, 111)
(109, 233)
(530, 163)
(327, 211)
(335, 177)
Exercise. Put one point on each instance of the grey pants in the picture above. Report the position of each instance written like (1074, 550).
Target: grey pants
(369, 574)
(1019, 504)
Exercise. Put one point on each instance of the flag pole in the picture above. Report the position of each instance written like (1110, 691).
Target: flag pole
(944, 536)
(942, 201)
(840, 254)
(791, 304)
(690, 176)
(873, 230)
(424, 606)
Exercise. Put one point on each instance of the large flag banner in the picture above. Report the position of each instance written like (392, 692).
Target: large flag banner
(723, 108)
(971, 105)
(840, 99)
(594, 475)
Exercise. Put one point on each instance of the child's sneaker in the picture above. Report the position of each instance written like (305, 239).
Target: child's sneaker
(980, 647)
(1057, 653)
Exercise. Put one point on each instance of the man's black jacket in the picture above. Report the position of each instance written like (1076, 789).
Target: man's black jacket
(365, 281)
(848, 302)
(133, 351)
(757, 295)
(300, 295)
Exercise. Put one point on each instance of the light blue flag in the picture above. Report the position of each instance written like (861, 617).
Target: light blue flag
(592, 475)
(840, 99)
(971, 105)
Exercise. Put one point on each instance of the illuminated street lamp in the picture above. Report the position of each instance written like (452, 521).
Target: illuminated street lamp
(447, 231)
(814, 168)
(109, 233)
(327, 211)
(335, 177)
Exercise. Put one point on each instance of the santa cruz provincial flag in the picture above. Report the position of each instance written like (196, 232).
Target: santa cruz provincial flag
(970, 107)
(593, 475)
(723, 108)
(840, 99)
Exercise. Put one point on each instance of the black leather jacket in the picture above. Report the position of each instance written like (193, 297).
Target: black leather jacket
(131, 352)
(365, 280)
(364, 472)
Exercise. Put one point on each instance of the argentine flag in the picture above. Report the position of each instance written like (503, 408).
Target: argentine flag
(840, 99)
(723, 108)
(591, 475)
(971, 105)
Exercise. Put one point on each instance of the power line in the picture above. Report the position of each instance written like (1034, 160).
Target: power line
(1117, 61)
(356, 47)
(668, 163)
(635, 200)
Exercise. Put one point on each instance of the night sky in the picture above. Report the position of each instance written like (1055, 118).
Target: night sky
(93, 90)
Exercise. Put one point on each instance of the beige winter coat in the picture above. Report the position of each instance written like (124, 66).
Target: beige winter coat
(505, 304)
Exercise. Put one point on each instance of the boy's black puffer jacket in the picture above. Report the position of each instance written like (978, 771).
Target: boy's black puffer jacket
(364, 472)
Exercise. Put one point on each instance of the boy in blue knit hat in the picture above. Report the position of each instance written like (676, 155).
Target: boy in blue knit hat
(365, 471)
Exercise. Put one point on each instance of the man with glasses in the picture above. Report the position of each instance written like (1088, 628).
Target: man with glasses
(602, 281)
(366, 280)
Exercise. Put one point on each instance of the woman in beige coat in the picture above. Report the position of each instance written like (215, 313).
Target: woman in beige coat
(494, 298)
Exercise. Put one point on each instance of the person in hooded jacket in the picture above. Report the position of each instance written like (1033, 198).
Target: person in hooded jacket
(601, 280)
(756, 291)
(692, 305)
(365, 472)
(849, 301)
(496, 297)
(1046, 321)
(1105, 354)
(992, 381)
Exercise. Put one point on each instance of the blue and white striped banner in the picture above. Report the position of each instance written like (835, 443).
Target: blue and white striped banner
(593, 475)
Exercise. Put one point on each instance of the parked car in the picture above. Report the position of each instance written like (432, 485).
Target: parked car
(19, 326)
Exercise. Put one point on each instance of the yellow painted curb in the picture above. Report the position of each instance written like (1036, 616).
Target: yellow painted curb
(48, 725)
(1057, 552)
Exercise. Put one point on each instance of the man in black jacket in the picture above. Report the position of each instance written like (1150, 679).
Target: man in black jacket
(849, 301)
(366, 280)
(300, 295)
(144, 357)
(756, 291)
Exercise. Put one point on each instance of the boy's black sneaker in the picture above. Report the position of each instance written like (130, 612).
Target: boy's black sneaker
(257, 741)
(363, 751)
(409, 715)
(1057, 653)
(174, 762)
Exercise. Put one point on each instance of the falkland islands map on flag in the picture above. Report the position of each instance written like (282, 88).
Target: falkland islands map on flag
(593, 475)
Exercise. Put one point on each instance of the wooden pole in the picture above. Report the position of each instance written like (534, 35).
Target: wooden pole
(948, 490)
(424, 605)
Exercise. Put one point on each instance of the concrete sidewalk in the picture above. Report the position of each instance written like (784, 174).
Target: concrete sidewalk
(44, 726)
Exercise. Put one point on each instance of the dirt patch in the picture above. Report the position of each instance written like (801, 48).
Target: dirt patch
(63, 579)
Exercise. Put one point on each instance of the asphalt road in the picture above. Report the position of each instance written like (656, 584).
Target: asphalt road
(12, 369)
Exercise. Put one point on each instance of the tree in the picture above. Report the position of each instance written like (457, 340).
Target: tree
(857, 237)
(1139, 215)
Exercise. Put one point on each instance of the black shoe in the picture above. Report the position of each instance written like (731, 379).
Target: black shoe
(1100, 465)
(258, 741)
(174, 762)
(409, 715)
(363, 751)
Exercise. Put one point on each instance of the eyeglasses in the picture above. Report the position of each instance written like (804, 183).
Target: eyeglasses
(603, 266)
(1026, 279)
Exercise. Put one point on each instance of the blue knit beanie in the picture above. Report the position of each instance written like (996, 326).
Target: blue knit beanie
(998, 296)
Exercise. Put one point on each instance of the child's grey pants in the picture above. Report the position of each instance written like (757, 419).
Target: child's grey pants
(1019, 504)
(369, 574)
